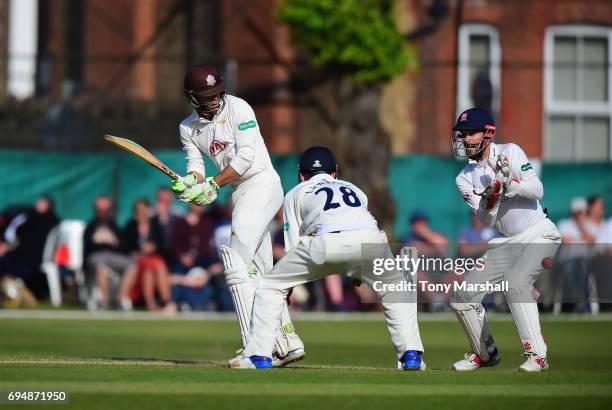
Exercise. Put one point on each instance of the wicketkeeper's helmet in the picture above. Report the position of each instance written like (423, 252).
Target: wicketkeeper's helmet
(473, 120)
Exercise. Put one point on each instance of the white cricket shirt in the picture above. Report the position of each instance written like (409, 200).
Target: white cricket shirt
(510, 216)
(324, 204)
(232, 138)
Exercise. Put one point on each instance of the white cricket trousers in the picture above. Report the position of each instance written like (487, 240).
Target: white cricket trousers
(517, 260)
(255, 202)
(313, 258)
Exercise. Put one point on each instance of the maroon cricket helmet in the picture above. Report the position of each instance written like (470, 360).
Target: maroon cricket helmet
(202, 82)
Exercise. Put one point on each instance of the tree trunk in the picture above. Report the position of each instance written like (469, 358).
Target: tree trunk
(364, 150)
(361, 146)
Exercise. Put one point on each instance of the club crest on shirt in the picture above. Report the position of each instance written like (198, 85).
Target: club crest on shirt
(216, 147)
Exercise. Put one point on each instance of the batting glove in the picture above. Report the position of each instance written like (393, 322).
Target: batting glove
(181, 187)
(204, 193)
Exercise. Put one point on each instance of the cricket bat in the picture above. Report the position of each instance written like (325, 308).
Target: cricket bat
(139, 151)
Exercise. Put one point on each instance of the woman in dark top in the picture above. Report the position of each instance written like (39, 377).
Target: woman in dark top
(143, 238)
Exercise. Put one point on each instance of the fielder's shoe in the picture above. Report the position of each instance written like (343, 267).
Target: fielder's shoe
(412, 360)
(253, 362)
(472, 361)
(534, 363)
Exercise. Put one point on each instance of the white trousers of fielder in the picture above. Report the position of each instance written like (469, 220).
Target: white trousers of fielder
(313, 258)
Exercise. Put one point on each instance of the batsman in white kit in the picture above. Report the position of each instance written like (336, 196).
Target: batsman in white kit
(225, 128)
(503, 190)
(326, 223)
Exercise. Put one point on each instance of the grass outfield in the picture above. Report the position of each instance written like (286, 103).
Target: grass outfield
(165, 363)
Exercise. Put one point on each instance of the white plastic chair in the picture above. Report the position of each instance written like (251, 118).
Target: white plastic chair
(70, 234)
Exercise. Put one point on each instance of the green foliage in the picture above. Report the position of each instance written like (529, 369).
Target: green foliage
(357, 38)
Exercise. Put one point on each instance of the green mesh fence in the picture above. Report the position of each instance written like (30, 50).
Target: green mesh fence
(417, 181)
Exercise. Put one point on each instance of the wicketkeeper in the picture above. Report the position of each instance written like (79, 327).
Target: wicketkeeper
(501, 187)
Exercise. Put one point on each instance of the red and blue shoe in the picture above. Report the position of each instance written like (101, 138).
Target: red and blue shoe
(471, 361)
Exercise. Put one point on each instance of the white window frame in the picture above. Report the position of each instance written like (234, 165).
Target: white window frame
(22, 44)
(464, 99)
(574, 108)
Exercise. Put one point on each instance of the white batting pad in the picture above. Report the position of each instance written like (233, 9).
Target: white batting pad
(527, 320)
(473, 319)
(242, 293)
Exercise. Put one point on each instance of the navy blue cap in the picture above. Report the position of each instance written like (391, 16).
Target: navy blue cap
(418, 215)
(474, 119)
(316, 160)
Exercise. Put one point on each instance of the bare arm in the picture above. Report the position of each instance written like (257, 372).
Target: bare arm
(227, 176)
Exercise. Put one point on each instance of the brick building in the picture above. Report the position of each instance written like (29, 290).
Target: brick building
(548, 63)
(542, 66)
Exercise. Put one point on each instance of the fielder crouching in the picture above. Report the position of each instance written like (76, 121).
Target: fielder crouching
(503, 190)
(326, 223)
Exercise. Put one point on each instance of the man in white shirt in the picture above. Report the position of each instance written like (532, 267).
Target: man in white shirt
(327, 223)
(595, 220)
(225, 128)
(502, 189)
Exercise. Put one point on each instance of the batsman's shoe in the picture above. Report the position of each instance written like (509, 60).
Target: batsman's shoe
(253, 362)
(289, 347)
(534, 363)
(293, 356)
(277, 361)
(412, 360)
(238, 356)
(472, 361)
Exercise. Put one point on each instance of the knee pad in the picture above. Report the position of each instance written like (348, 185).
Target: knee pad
(461, 306)
(235, 269)
(523, 294)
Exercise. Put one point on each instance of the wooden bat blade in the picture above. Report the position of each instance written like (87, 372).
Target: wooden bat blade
(142, 153)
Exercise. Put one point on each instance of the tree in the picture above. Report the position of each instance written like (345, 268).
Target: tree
(355, 46)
